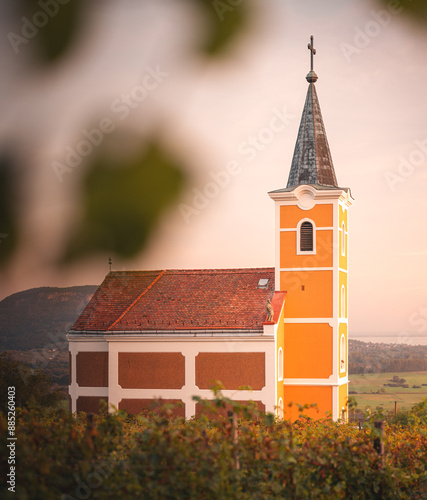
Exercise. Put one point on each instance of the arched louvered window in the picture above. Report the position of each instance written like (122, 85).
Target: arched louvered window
(306, 237)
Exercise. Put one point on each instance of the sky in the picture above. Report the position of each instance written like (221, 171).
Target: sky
(371, 64)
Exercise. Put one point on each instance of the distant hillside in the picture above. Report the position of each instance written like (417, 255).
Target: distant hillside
(371, 357)
(40, 317)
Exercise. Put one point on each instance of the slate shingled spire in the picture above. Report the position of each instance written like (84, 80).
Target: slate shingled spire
(312, 160)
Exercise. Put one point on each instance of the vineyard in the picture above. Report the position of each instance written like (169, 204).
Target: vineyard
(239, 455)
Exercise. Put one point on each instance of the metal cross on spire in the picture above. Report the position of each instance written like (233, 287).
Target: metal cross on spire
(312, 50)
(311, 77)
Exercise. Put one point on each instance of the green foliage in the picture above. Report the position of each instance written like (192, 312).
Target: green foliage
(57, 454)
(414, 9)
(226, 20)
(32, 386)
(416, 415)
(122, 202)
(121, 206)
(55, 37)
(154, 456)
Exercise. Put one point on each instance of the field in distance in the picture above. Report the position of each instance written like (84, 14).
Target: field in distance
(372, 389)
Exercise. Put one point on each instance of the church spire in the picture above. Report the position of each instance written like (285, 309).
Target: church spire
(312, 160)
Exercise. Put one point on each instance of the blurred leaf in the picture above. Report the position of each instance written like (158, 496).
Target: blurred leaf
(122, 203)
(417, 9)
(226, 20)
(8, 222)
(54, 25)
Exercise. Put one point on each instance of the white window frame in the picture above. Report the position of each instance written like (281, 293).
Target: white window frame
(306, 252)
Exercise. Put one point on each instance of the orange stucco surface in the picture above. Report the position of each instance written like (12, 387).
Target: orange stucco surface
(308, 350)
(319, 395)
(309, 293)
(321, 215)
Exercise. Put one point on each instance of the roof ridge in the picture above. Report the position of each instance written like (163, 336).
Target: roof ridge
(190, 271)
(136, 300)
(147, 272)
(220, 271)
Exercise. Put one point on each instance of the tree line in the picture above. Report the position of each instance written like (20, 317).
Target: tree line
(369, 357)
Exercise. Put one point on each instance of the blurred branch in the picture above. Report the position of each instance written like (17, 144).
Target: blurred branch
(123, 201)
(227, 19)
(53, 24)
(414, 9)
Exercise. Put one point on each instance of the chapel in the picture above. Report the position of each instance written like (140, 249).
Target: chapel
(280, 332)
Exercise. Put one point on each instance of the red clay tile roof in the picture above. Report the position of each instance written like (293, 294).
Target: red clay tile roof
(217, 299)
(115, 294)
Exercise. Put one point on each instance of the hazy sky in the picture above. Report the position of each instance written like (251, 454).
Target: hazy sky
(372, 78)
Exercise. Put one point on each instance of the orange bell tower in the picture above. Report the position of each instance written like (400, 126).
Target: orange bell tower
(311, 231)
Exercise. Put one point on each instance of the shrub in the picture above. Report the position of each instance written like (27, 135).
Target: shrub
(249, 455)
(32, 385)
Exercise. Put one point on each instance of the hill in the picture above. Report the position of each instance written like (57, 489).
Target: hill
(371, 357)
(40, 317)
